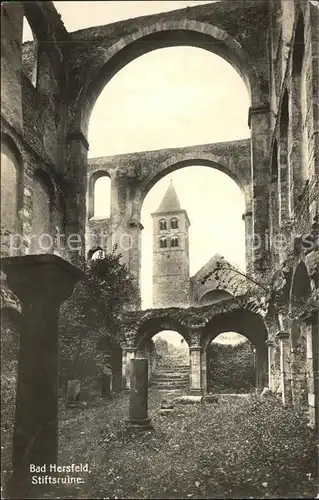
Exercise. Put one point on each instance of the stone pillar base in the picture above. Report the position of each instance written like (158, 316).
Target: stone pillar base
(140, 423)
(196, 392)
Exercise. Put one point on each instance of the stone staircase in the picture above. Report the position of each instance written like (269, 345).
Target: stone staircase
(170, 378)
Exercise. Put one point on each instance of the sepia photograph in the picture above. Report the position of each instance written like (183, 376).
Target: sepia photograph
(160, 249)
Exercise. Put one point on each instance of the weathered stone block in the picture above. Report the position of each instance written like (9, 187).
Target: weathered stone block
(73, 392)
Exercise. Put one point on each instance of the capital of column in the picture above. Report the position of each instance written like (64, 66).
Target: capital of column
(260, 108)
(130, 349)
(247, 214)
(52, 278)
(282, 335)
(270, 343)
(77, 135)
(195, 348)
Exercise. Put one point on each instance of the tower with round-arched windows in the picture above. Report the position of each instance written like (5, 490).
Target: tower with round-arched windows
(171, 281)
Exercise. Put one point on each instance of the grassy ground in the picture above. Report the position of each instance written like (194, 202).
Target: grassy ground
(198, 451)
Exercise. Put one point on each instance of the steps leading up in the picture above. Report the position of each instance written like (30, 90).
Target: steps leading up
(170, 378)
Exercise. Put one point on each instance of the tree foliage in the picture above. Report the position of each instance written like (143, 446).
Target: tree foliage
(230, 368)
(90, 321)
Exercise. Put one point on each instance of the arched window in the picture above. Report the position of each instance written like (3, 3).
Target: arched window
(102, 197)
(162, 225)
(174, 241)
(174, 223)
(42, 240)
(9, 188)
(163, 243)
(299, 47)
(29, 52)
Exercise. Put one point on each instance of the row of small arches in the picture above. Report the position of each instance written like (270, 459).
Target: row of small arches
(164, 242)
(163, 224)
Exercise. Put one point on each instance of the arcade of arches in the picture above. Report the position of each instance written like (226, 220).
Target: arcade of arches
(47, 179)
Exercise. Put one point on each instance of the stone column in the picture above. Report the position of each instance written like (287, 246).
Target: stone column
(298, 376)
(204, 370)
(285, 366)
(138, 415)
(248, 218)
(42, 283)
(311, 327)
(128, 354)
(277, 373)
(195, 370)
(77, 148)
(259, 123)
(271, 364)
(260, 366)
(134, 230)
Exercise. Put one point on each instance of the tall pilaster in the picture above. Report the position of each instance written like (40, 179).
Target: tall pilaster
(259, 124)
(285, 374)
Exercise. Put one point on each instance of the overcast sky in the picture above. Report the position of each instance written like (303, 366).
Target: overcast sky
(172, 97)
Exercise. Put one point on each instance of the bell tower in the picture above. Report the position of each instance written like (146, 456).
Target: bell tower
(171, 281)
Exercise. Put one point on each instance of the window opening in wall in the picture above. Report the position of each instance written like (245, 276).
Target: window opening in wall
(102, 197)
(163, 243)
(174, 241)
(174, 223)
(162, 225)
(9, 194)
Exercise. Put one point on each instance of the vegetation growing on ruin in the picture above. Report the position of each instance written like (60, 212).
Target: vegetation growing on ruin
(238, 448)
(90, 324)
(230, 368)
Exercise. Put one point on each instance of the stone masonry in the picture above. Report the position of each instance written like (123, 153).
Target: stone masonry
(49, 88)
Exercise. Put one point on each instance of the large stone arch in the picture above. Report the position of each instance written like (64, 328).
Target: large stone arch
(198, 326)
(247, 323)
(181, 160)
(159, 322)
(99, 53)
(185, 159)
(213, 295)
(184, 32)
